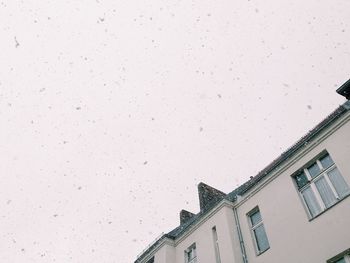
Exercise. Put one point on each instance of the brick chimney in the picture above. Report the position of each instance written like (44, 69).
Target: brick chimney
(208, 196)
(185, 216)
(344, 90)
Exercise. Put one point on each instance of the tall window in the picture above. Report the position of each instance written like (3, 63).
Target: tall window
(343, 257)
(191, 254)
(321, 185)
(216, 245)
(258, 231)
(342, 260)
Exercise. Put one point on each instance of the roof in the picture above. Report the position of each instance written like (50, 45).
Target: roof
(182, 228)
(232, 196)
(292, 150)
(344, 90)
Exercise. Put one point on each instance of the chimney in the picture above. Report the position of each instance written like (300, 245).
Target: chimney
(208, 196)
(185, 216)
(344, 90)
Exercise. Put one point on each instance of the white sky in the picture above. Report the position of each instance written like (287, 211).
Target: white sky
(111, 112)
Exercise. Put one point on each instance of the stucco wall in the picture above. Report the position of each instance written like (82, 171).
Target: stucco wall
(202, 236)
(292, 237)
(223, 220)
(166, 254)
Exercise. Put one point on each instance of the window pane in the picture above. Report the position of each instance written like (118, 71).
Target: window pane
(325, 191)
(326, 161)
(301, 180)
(314, 170)
(342, 260)
(255, 218)
(338, 182)
(191, 254)
(261, 238)
(311, 202)
(216, 245)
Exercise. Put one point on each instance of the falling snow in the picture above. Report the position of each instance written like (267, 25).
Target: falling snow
(112, 113)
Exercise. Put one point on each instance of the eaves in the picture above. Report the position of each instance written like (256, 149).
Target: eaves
(318, 138)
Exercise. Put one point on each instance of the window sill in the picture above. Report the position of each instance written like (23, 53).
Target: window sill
(262, 252)
(328, 208)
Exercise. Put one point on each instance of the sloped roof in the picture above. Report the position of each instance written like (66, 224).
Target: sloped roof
(232, 196)
(293, 149)
(344, 90)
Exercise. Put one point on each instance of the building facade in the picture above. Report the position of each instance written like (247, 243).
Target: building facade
(296, 210)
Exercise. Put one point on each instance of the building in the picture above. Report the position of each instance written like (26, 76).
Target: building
(296, 210)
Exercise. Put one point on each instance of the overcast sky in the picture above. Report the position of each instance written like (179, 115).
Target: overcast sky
(111, 112)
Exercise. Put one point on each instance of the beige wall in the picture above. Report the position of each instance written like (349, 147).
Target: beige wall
(166, 254)
(202, 236)
(292, 237)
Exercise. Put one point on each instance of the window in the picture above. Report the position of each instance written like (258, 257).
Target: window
(343, 257)
(151, 260)
(321, 185)
(191, 254)
(216, 245)
(258, 231)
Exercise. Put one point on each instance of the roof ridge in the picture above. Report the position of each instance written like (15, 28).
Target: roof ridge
(304, 140)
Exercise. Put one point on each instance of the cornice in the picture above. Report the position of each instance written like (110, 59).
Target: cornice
(293, 159)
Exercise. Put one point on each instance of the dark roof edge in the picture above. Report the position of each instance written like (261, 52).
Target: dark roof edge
(344, 90)
(181, 229)
(336, 114)
(232, 196)
(157, 242)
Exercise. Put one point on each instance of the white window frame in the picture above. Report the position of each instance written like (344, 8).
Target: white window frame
(188, 251)
(347, 258)
(344, 255)
(253, 227)
(311, 183)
